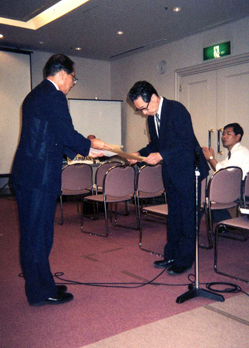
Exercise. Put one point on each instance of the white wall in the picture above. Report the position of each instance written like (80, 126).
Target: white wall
(93, 75)
(180, 54)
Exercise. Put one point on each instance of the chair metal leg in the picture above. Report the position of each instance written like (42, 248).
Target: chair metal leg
(209, 229)
(92, 233)
(217, 234)
(140, 240)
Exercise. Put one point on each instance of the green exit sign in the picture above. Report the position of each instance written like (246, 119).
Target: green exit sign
(217, 51)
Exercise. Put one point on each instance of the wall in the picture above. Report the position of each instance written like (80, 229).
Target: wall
(180, 54)
(93, 75)
(94, 81)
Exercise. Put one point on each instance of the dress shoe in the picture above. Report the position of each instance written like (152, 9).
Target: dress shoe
(61, 288)
(60, 298)
(177, 270)
(163, 263)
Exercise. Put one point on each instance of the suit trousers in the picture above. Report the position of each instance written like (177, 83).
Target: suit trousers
(181, 225)
(36, 210)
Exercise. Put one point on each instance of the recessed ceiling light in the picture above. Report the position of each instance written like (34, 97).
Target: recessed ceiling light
(1, 36)
(78, 48)
(177, 9)
(120, 32)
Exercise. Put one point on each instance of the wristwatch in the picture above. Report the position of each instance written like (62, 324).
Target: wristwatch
(210, 158)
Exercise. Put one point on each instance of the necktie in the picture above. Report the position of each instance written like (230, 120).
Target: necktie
(229, 155)
(158, 123)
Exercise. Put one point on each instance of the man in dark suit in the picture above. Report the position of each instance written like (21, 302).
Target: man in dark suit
(47, 134)
(172, 141)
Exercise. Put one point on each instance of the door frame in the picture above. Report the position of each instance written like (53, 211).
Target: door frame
(207, 66)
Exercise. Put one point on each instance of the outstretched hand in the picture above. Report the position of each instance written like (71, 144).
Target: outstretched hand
(98, 144)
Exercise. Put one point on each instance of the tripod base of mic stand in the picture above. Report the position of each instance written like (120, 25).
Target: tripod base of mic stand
(197, 292)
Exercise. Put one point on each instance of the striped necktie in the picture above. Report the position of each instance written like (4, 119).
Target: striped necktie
(158, 123)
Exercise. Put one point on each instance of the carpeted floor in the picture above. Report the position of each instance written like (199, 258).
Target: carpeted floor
(122, 312)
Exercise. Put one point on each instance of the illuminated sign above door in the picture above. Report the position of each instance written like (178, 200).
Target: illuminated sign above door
(217, 51)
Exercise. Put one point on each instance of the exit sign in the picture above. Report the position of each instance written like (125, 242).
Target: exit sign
(217, 51)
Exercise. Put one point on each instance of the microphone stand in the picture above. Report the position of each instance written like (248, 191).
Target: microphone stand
(194, 289)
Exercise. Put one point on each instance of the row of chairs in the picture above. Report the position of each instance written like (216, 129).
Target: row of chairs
(224, 190)
(117, 183)
(113, 183)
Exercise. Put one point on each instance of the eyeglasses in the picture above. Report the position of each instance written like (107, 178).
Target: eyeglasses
(74, 78)
(143, 109)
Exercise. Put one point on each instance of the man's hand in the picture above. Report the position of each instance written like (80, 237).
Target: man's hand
(208, 152)
(100, 145)
(133, 161)
(153, 158)
(96, 155)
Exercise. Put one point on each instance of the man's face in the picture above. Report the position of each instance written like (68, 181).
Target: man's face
(66, 82)
(150, 108)
(229, 139)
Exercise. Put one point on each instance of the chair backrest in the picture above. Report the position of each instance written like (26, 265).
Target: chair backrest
(101, 171)
(246, 190)
(203, 192)
(119, 181)
(225, 185)
(150, 179)
(76, 177)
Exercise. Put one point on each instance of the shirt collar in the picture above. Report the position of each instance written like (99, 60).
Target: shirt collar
(160, 108)
(54, 84)
(235, 147)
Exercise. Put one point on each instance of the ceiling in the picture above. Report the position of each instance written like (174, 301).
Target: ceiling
(93, 26)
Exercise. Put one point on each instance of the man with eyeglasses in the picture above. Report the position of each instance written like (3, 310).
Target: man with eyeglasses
(238, 156)
(47, 134)
(172, 141)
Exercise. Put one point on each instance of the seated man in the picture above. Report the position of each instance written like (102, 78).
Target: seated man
(238, 155)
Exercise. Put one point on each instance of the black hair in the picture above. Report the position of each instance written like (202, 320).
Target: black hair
(236, 128)
(57, 63)
(142, 89)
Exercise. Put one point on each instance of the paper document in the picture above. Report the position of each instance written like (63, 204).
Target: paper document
(118, 151)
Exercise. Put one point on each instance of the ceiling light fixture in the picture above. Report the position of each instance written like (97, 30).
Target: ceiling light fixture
(49, 15)
(1, 36)
(177, 9)
(120, 32)
(78, 48)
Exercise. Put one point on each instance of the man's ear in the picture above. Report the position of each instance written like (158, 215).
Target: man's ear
(238, 138)
(153, 97)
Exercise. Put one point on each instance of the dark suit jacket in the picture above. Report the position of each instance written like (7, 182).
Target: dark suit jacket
(47, 133)
(177, 144)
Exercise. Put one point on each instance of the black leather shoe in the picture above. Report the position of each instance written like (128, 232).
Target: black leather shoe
(61, 288)
(177, 270)
(163, 263)
(60, 298)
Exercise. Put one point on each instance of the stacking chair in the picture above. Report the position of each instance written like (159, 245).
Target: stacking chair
(76, 180)
(239, 225)
(100, 174)
(224, 192)
(161, 211)
(149, 185)
(118, 186)
(245, 191)
(99, 177)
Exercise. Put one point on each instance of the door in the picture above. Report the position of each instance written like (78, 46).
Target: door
(214, 99)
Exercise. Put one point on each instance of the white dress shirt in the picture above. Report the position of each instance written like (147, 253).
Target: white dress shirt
(239, 158)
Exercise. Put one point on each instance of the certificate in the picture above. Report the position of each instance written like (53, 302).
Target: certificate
(117, 150)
